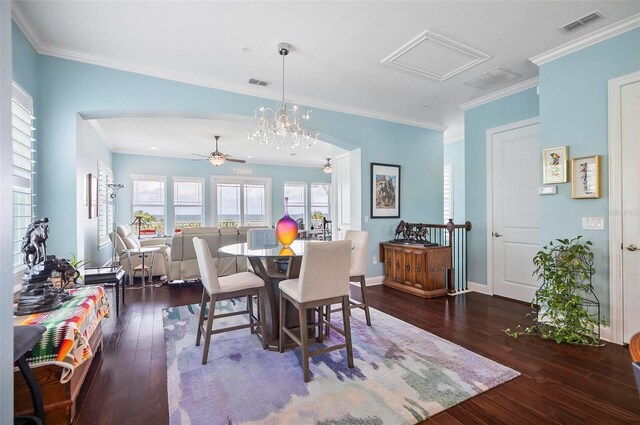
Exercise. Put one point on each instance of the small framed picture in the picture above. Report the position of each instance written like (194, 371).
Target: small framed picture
(585, 177)
(92, 195)
(554, 165)
(385, 191)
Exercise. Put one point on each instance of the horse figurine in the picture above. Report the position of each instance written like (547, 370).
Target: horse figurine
(34, 243)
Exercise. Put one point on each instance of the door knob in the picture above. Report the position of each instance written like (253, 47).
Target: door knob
(632, 247)
(496, 234)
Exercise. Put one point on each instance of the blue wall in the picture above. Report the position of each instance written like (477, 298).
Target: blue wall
(124, 165)
(68, 87)
(454, 155)
(477, 121)
(574, 112)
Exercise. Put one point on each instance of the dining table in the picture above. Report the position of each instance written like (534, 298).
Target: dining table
(263, 258)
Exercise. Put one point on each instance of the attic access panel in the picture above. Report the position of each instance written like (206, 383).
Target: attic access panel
(435, 57)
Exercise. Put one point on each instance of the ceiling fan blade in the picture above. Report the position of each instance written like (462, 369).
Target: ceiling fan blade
(197, 154)
(239, 161)
(199, 159)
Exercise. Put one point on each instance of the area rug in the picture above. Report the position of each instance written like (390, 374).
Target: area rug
(402, 375)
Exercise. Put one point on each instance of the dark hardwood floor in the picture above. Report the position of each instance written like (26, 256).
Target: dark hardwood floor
(558, 383)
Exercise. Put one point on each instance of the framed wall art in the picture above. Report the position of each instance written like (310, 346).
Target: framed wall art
(585, 177)
(554, 165)
(385, 191)
(92, 195)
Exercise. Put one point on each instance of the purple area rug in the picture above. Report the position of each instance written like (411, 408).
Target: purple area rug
(402, 375)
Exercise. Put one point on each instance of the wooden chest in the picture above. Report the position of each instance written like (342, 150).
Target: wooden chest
(416, 269)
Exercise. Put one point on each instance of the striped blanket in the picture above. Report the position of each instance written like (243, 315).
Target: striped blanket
(66, 341)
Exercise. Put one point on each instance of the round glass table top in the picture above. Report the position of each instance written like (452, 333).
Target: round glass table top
(275, 250)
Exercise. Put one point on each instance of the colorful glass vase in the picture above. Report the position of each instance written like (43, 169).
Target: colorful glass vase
(286, 227)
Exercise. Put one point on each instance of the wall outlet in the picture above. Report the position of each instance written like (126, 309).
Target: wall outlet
(593, 223)
(375, 259)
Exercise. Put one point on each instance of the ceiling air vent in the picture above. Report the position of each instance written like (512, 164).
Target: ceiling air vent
(584, 21)
(261, 83)
(492, 78)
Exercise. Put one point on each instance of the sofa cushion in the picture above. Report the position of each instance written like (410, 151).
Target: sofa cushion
(200, 230)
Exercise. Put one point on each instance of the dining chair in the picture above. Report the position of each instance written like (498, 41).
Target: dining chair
(216, 288)
(634, 350)
(323, 280)
(358, 268)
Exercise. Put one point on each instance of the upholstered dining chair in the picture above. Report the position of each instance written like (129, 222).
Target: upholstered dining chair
(634, 349)
(323, 280)
(216, 288)
(358, 269)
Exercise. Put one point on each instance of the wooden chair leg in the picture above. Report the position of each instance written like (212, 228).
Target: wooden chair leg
(207, 336)
(250, 309)
(328, 316)
(203, 305)
(319, 323)
(346, 308)
(282, 321)
(261, 318)
(304, 340)
(363, 289)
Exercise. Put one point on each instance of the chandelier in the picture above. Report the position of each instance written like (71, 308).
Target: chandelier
(282, 127)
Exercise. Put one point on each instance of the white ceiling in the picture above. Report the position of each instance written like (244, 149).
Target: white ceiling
(337, 51)
(181, 137)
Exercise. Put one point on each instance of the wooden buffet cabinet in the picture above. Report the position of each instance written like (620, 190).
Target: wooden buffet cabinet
(416, 269)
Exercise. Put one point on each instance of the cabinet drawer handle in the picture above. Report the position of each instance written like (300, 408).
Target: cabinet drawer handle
(408, 266)
(397, 264)
(418, 269)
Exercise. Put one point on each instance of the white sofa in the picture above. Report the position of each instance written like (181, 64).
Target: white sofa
(183, 264)
(125, 239)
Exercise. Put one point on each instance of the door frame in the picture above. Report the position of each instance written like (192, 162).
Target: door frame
(489, 186)
(615, 205)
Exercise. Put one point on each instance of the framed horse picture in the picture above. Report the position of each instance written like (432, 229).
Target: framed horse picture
(385, 191)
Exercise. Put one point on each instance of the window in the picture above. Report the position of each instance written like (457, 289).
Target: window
(297, 194)
(241, 202)
(187, 202)
(448, 192)
(23, 168)
(105, 204)
(319, 203)
(149, 201)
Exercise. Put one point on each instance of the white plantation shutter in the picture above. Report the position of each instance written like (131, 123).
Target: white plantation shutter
(23, 168)
(105, 204)
(448, 192)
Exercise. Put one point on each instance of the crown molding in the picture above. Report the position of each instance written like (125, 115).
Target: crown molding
(587, 40)
(48, 49)
(27, 29)
(508, 91)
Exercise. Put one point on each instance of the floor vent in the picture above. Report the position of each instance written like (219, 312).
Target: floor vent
(261, 83)
(582, 22)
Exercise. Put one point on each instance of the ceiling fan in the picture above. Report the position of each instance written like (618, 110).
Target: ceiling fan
(217, 158)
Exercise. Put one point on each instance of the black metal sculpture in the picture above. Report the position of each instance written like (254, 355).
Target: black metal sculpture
(412, 233)
(38, 293)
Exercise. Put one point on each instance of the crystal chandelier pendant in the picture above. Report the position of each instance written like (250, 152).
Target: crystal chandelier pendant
(282, 127)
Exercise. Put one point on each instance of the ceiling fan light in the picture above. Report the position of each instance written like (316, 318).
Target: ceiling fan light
(327, 167)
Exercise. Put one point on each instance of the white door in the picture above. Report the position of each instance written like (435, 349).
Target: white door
(515, 213)
(630, 123)
(342, 190)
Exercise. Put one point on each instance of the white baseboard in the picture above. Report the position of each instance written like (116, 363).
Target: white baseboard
(479, 287)
(371, 281)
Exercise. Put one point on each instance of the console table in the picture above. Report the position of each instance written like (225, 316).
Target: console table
(416, 269)
(61, 363)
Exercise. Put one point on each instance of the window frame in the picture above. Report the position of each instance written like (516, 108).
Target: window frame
(188, 179)
(215, 180)
(306, 214)
(311, 204)
(150, 177)
(20, 98)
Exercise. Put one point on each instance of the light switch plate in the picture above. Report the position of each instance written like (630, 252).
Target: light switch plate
(548, 190)
(593, 223)
(375, 259)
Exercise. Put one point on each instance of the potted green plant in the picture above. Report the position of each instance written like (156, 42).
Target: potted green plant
(566, 308)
